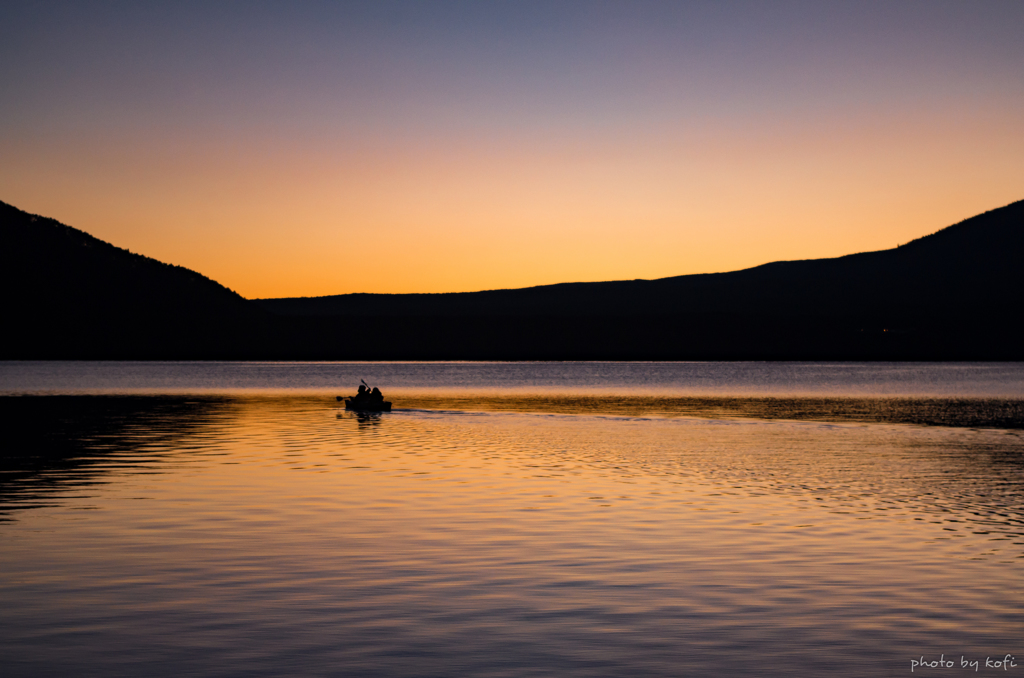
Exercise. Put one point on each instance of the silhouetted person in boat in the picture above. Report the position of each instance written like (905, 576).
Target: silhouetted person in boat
(365, 397)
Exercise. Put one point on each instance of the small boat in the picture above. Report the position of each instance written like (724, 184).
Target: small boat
(365, 405)
(366, 400)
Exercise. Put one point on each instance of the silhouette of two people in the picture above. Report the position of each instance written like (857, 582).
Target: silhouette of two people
(367, 397)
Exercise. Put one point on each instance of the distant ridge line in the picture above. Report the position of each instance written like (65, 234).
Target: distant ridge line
(979, 251)
(952, 295)
(1019, 204)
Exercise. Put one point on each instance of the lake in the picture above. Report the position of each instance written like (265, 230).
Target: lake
(512, 519)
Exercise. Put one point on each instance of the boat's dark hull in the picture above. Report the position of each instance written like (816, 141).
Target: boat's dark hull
(368, 407)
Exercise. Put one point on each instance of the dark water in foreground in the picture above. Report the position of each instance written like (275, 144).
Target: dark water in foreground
(489, 529)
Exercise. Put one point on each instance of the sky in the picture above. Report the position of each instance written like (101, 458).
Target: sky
(315, 148)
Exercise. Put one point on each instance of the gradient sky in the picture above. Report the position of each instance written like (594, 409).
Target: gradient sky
(302, 149)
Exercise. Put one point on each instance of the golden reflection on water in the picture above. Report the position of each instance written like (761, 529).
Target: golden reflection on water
(266, 533)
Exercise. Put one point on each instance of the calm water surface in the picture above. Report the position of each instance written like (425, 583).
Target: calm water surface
(590, 519)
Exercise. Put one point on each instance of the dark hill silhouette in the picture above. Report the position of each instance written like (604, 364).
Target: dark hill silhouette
(954, 294)
(951, 295)
(973, 265)
(68, 295)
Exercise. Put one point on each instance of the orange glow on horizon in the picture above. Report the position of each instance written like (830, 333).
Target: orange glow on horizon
(295, 220)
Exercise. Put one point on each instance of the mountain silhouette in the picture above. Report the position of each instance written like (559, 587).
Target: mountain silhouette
(950, 295)
(973, 265)
(954, 294)
(69, 295)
